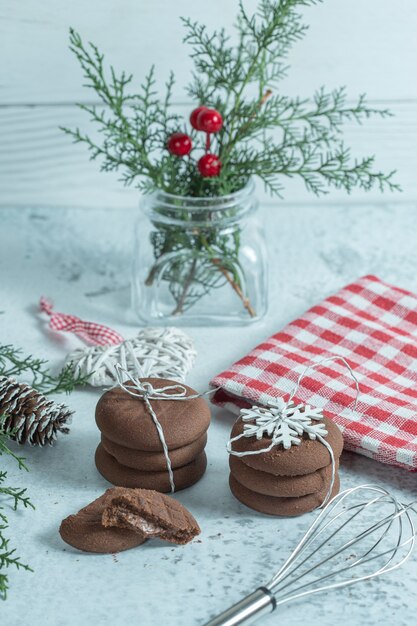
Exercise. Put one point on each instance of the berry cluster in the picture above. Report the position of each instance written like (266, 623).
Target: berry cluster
(180, 144)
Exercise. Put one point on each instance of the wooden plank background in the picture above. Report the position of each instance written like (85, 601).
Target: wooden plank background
(370, 46)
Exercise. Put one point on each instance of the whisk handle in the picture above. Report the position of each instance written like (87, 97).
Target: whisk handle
(256, 605)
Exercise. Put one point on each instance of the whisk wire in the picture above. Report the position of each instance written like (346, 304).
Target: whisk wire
(323, 522)
(340, 571)
(309, 537)
(313, 537)
(382, 570)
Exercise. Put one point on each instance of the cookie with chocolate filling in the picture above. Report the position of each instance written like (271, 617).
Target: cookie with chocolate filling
(125, 518)
(150, 513)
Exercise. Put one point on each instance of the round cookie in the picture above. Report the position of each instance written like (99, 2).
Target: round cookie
(280, 486)
(287, 507)
(86, 532)
(154, 461)
(309, 456)
(124, 419)
(122, 476)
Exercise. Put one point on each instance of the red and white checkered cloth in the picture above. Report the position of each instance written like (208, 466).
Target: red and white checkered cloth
(93, 333)
(374, 326)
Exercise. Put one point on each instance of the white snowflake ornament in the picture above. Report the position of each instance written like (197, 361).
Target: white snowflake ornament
(284, 422)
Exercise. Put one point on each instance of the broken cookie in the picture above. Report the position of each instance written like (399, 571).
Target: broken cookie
(124, 518)
(150, 513)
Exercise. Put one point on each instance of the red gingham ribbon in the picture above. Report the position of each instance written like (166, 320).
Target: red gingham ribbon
(371, 324)
(92, 333)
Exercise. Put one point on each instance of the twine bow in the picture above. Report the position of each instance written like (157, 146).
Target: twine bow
(285, 422)
(146, 392)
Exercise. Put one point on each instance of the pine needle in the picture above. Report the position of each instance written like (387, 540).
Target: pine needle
(14, 364)
(13, 497)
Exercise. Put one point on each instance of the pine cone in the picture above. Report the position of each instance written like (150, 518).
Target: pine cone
(30, 416)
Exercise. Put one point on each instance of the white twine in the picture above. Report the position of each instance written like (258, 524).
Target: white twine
(146, 392)
(154, 352)
(285, 422)
(314, 366)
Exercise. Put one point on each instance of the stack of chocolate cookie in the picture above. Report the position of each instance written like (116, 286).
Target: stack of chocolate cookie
(283, 481)
(131, 453)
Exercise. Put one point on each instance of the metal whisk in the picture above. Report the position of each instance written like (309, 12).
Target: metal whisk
(362, 533)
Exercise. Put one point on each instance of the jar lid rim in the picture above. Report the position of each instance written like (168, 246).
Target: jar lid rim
(247, 189)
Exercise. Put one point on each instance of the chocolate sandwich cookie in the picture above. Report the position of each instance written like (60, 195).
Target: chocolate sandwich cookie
(85, 530)
(280, 486)
(307, 457)
(154, 461)
(125, 419)
(287, 507)
(123, 476)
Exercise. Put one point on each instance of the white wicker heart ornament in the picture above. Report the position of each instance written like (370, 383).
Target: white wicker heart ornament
(154, 352)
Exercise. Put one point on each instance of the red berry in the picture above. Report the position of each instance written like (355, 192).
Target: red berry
(194, 115)
(209, 120)
(179, 144)
(209, 165)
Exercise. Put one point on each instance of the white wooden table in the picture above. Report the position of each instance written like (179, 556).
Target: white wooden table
(65, 232)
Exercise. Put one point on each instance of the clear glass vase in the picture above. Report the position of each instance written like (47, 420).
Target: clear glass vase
(200, 260)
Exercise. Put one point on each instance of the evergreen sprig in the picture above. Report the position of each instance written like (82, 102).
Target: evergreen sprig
(133, 126)
(13, 363)
(18, 497)
(265, 134)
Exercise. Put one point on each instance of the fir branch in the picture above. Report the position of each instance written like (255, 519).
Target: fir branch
(134, 126)
(129, 138)
(13, 363)
(18, 497)
(4, 449)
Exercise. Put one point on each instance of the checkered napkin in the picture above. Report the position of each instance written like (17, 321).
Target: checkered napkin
(371, 324)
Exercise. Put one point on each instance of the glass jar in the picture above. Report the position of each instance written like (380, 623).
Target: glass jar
(200, 260)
